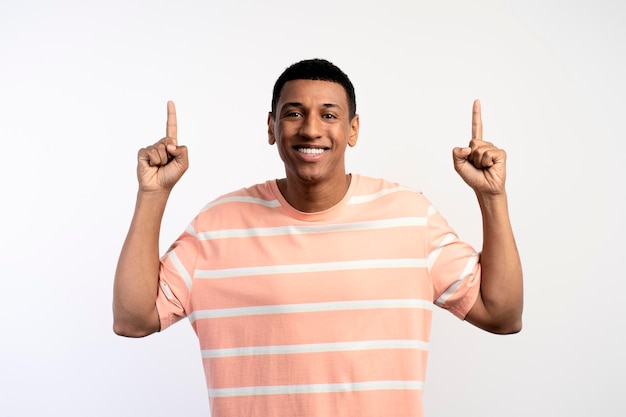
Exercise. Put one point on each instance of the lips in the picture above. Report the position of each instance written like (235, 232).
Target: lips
(310, 154)
(311, 151)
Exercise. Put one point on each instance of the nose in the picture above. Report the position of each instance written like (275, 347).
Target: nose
(311, 127)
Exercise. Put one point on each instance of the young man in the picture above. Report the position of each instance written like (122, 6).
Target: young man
(312, 295)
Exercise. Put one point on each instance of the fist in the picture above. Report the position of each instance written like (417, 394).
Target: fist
(160, 166)
(481, 165)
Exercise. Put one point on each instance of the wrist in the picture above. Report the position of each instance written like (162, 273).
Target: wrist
(490, 202)
(153, 201)
(151, 194)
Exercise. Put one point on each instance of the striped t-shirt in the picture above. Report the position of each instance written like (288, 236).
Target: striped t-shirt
(316, 314)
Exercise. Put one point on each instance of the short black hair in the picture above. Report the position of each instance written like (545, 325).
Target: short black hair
(315, 69)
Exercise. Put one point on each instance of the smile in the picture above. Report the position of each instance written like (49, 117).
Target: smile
(311, 151)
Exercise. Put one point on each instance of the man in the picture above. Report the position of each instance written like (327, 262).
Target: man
(312, 295)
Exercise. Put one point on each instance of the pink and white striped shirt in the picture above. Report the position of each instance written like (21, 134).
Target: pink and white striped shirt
(316, 314)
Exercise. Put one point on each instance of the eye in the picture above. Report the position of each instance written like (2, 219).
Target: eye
(293, 114)
(329, 116)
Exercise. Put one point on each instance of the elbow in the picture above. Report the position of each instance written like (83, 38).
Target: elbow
(511, 325)
(496, 318)
(133, 326)
(510, 328)
(121, 330)
(516, 327)
(502, 323)
(132, 330)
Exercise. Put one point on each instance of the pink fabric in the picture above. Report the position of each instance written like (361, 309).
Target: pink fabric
(316, 314)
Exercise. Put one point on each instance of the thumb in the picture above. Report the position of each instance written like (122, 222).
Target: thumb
(459, 158)
(176, 150)
(178, 153)
(459, 155)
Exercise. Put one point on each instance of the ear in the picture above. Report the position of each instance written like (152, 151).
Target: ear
(270, 129)
(354, 131)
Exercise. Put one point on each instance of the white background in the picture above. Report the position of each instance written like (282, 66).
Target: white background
(84, 85)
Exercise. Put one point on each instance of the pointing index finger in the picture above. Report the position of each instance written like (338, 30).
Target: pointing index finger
(477, 123)
(171, 129)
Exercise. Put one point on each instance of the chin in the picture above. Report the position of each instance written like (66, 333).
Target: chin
(308, 176)
(310, 179)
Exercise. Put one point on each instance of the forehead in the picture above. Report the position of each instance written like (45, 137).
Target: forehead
(312, 92)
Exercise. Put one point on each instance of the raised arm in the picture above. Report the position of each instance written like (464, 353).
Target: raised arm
(482, 166)
(159, 167)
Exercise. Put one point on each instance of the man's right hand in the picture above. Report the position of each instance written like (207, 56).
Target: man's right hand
(160, 166)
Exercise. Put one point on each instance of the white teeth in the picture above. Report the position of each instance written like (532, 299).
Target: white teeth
(315, 151)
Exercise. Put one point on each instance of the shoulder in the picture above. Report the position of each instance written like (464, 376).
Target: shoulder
(367, 184)
(381, 192)
(236, 209)
(371, 186)
(257, 194)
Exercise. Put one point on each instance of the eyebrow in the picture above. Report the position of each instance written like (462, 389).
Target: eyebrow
(298, 104)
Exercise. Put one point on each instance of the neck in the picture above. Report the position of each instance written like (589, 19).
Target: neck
(313, 197)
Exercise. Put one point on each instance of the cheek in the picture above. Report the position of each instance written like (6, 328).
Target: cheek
(282, 150)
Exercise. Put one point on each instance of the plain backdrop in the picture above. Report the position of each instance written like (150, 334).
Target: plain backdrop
(84, 85)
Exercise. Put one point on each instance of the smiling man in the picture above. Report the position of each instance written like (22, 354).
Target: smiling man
(312, 295)
(312, 124)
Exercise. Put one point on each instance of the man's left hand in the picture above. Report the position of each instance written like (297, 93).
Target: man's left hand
(481, 165)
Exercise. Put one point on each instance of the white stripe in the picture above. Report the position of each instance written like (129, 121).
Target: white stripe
(189, 229)
(316, 388)
(310, 308)
(315, 348)
(169, 294)
(242, 199)
(434, 254)
(305, 230)
(307, 268)
(362, 199)
(180, 268)
(469, 267)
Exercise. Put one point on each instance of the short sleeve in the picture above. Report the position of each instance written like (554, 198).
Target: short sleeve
(176, 277)
(453, 265)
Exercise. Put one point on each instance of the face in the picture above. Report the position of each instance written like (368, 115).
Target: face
(312, 129)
